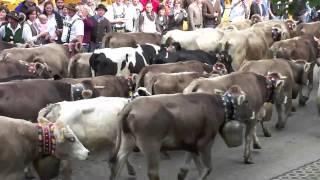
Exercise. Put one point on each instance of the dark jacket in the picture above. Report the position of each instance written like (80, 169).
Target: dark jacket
(100, 29)
(207, 12)
(254, 9)
(22, 7)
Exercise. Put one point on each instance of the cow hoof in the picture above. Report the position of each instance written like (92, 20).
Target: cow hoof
(182, 174)
(267, 133)
(279, 126)
(293, 109)
(131, 172)
(257, 146)
(303, 101)
(248, 161)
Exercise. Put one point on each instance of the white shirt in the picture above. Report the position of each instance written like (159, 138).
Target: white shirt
(148, 26)
(28, 32)
(237, 11)
(52, 25)
(131, 15)
(3, 31)
(77, 28)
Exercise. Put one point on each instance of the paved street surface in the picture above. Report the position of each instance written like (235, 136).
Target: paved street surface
(298, 144)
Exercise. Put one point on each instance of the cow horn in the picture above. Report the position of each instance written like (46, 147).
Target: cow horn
(99, 87)
(86, 94)
(307, 67)
(218, 91)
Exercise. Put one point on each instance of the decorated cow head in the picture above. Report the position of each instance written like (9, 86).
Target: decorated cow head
(275, 82)
(223, 56)
(255, 19)
(38, 69)
(276, 33)
(58, 139)
(219, 68)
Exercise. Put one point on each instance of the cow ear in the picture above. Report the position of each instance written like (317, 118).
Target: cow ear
(279, 83)
(86, 94)
(218, 92)
(43, 121)
(307, 67)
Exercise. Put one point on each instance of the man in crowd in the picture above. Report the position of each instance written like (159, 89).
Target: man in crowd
(73, 27)
(195, 15)
(117, 15)
(59, 6)
(12, 32)
(102, 26)
(211, 12)
(25, 5)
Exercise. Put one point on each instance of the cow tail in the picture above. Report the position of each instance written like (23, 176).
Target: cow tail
(122, 127)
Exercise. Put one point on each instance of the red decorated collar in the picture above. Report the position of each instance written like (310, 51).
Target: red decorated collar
(46, 139)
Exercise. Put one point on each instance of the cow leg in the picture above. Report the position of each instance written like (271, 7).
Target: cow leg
(256, 142)
(187, 165)
(265, 115)
(304, 96)
(250, 128)
(66, 170)
(318, 100)
(126, 147)
(130, 168)
(151, 150)
(205, 155)
(281, 115)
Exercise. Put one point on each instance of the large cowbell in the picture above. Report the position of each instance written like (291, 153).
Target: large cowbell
(232, 132)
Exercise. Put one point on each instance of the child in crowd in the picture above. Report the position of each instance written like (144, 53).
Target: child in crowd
(42, 24)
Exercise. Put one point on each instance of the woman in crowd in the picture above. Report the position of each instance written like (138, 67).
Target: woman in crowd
(162, 20)
(177, 15)
(88, 27)
(147, 20)
(30, 30)
(55, 22)
(139, 8)
(3, 14)
(131, 16)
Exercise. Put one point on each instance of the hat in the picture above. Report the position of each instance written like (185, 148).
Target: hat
(71, 7)
(101, 6)
(14, 15)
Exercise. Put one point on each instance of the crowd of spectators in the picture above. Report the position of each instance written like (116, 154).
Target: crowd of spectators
(88, 21)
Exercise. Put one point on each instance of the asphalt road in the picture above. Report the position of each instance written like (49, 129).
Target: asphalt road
(290, 148)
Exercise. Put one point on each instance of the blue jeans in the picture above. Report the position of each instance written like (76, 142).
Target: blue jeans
(95, 46)
(86, 47)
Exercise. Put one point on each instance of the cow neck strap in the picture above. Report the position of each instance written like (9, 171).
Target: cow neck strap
(229, 107)
(46, 139)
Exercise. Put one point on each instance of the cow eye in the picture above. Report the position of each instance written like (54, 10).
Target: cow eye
(71, 139)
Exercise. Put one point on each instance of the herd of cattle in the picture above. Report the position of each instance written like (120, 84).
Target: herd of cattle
(56, 102)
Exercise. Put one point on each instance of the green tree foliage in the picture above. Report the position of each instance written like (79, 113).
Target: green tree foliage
(311, 2)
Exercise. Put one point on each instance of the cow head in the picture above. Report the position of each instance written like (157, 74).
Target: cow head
(275, 91)
(219, 68)
(303, 75)
(162, 56)
(38, 69)
(255, 19)
(172, 45)
(291, 25)
(223, 56)
(276, 33)
(141, 91)
(66, 142)
(102, 65)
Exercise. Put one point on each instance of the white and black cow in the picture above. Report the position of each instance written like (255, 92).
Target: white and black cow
(122, 61)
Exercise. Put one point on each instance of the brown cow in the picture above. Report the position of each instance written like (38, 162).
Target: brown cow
(259, 88)
(312, 28)
(116, 40)
(22, 70)
(108, 85)
(53, 55)
(240, 25)
(170, 83)
(302, 47)
(147, 72)
(296, 78)
(187, 122)
(22, 140)
(249, 44)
